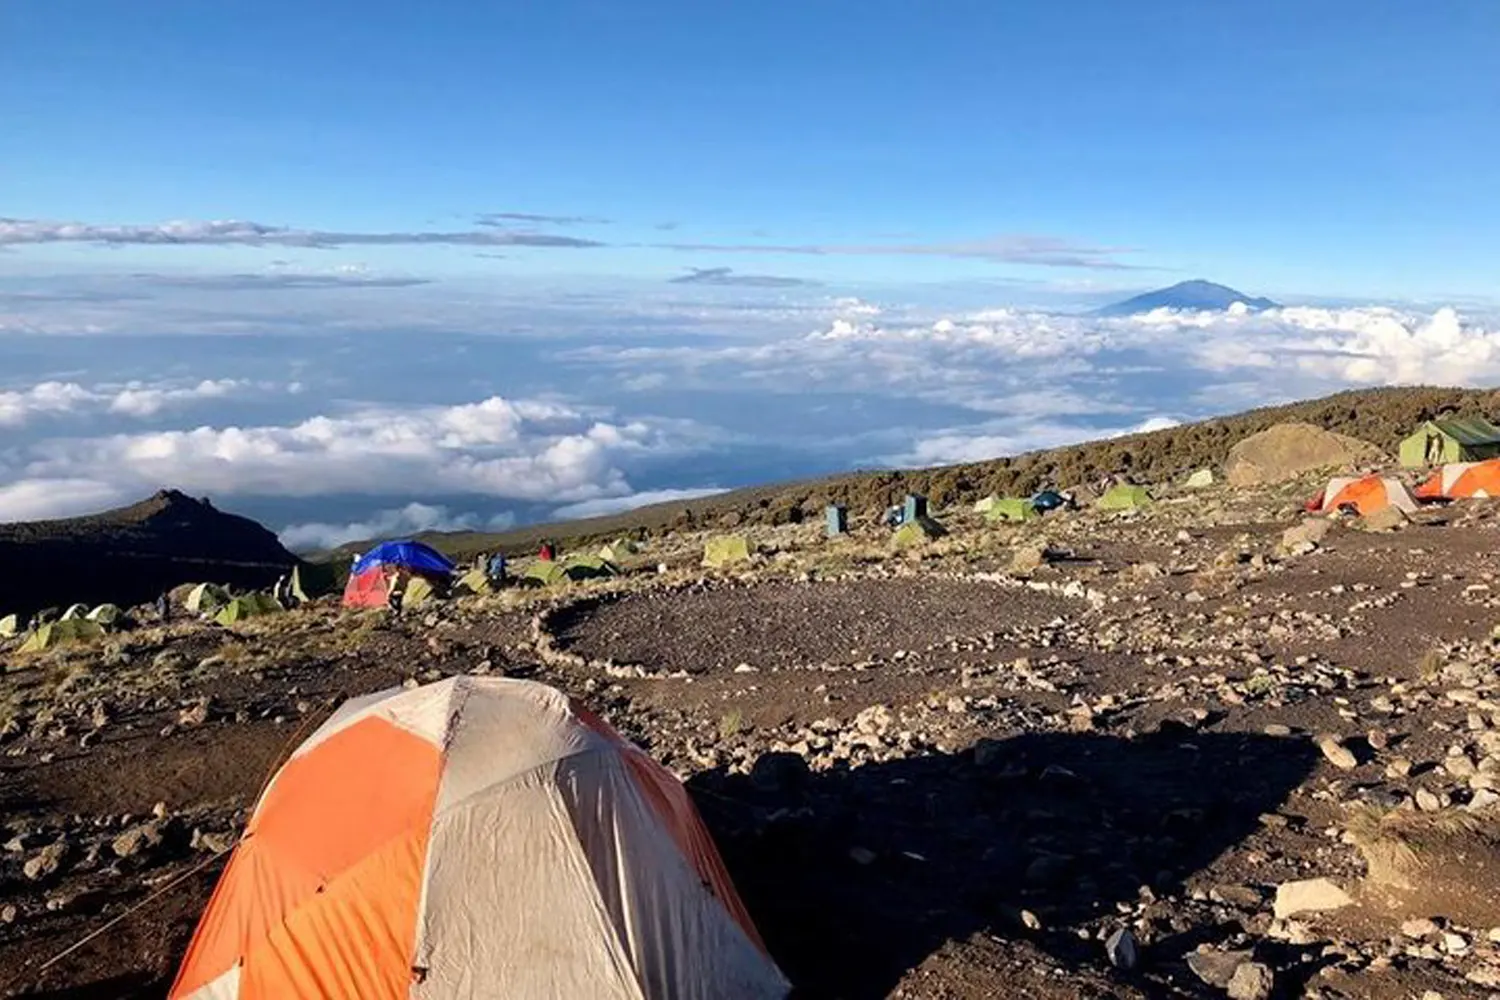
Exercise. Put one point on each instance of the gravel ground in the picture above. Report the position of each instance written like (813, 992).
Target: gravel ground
(931, 777)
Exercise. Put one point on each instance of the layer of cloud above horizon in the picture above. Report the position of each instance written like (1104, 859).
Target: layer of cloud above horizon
(515, 229)
(619, 401)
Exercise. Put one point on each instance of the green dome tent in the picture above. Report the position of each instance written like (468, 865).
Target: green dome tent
(986, 505)
(917, 532)
(1125, 497)
(206, 598)
(75, 611)
(417, 592)
(107, 615)
(547, 572)
(475, 581)
(62, 633)
(1011, 509)
(726, 550)
(585, 567)
(248, 606)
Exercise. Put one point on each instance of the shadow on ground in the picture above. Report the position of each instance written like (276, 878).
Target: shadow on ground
(1064, 825)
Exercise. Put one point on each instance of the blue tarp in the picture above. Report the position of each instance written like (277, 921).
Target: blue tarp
(1048, 500)
(414, 556)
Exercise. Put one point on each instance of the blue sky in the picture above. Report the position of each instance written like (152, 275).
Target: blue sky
(1339, 147)
(380, 266)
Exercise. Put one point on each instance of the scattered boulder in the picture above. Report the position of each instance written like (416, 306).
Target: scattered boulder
(1306, 536)
(1217, 968)
(1202, 479)
(1386, 519)
(1121, 949)
(1286, 451)
(133, 841)
(1308, 896)
(1028, 559)
(1251, 981)
(1338, 755)
(46, 862)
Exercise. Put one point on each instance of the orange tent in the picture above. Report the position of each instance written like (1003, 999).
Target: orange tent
(1458, 480)
(1366, 494)
(474, 837)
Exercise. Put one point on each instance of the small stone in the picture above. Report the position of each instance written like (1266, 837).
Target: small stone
(1419, 927)
(136, 839)
(1277, 729)
(1030, 920)
(1216, 968)
(1400, 767)
(1338, 755)
(1121, 949)
(1251, 981)
(46, 862)
(1427, 800)
(745, 668)
(862, 855)
(8, 914)
(1455, 944)
(1308, 895)
(1377, 739)
(194, 715)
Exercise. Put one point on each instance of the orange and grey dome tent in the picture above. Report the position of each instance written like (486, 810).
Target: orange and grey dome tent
(1459, 480)
(1365, 494)
(476, 837)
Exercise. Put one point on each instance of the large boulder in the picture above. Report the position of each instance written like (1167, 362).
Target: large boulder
(1286, 451)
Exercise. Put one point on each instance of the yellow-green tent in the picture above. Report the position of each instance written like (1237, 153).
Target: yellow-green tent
(726, 550)
(1125, 497)
(248, 606)
(10, 625)
(546, 572)
(107, 615)
(62, 633)
(586, 567)
(916, 532)
(206, 598)
(475, 581)
(986, 505)
(418, 591)
(1011, 509)
(75, 611)
(310, 580)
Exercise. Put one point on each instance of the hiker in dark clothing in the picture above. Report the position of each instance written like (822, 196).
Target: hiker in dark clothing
(496, 570)
(163, 607)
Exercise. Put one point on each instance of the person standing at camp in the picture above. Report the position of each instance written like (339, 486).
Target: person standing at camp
(163, 607)
(546, 553)
(393, 594)
(496, 570)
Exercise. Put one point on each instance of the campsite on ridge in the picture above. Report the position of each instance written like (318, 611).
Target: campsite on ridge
(749, 501)
(1128, 735)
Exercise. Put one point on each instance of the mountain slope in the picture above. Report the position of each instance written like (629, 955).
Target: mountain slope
(1191, 295)
(1381, 416)
(131, 554)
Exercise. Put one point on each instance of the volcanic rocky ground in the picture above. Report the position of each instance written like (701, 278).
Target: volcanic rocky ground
(1178, 754)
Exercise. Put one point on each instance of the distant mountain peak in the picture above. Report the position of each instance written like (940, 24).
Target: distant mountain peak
(1196, 295)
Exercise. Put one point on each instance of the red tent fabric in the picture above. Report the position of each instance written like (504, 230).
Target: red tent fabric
(368, 589)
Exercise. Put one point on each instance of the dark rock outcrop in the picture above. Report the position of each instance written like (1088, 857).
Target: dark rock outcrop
(130, 555)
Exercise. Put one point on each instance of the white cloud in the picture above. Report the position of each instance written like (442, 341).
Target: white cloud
(131, 399)
(529, 450)
(408, 520)
(36, 499)
(616, 505)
